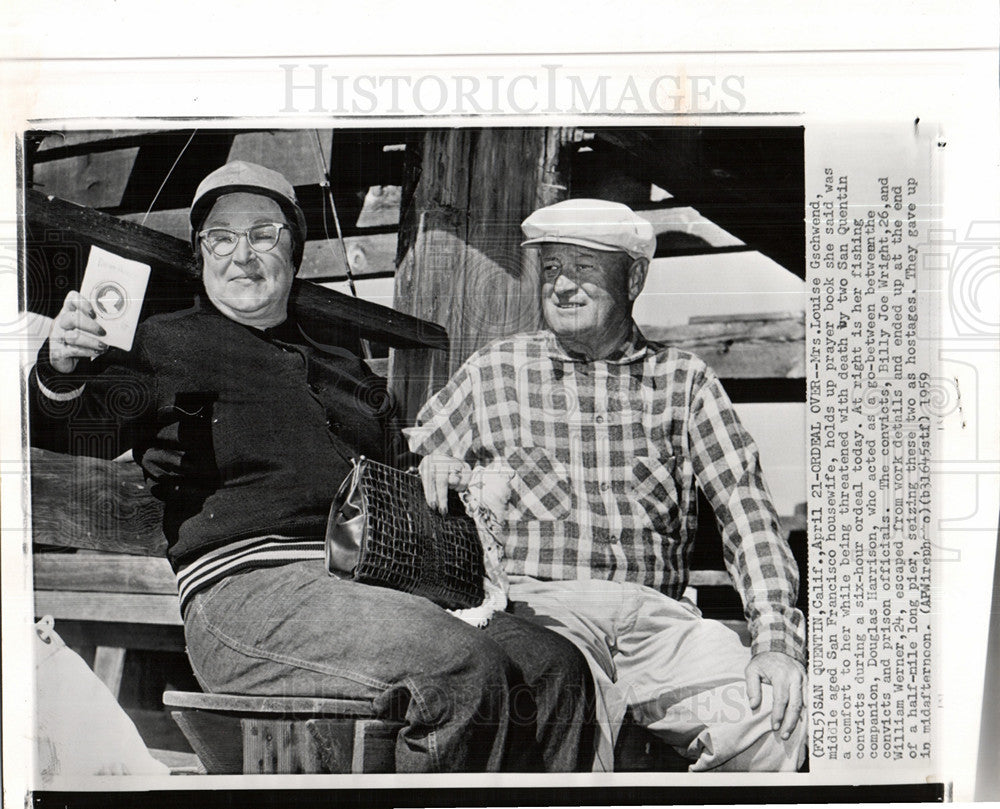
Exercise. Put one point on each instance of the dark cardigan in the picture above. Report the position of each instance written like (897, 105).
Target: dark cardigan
(242, 432)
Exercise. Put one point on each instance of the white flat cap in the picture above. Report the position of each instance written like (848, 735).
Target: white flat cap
(594, 223)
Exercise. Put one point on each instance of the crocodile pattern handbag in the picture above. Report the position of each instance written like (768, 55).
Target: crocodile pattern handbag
(382, 532)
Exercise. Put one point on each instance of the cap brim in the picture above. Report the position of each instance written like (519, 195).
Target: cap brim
(605, 248)
(203, 205)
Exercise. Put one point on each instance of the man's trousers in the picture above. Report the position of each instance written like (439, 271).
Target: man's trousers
(680, 675)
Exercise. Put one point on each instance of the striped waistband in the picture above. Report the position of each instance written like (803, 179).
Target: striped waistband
(267, 551)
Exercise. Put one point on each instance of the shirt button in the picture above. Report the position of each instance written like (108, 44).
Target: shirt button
(605, 486)
(613, 539)
(600, 419)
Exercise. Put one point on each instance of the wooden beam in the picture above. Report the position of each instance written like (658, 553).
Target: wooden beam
(148, 637)
(180, 763)
(681, 252)
(103, 573)
(133, 608)
(46, 213)
(763, 391)
(326, 315)
(370, 255)
(109, 665)
(216, 739)
(761, 202)
(460, 265)
(279, 706)
(83, 502)
(82, 145)
(747, 347)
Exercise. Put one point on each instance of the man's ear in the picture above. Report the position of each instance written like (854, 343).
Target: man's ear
(637, 277)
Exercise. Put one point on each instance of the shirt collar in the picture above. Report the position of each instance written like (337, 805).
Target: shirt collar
(633, 348)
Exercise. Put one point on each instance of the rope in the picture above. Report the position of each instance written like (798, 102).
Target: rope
(325, 182)
(325, 174)
(156, 196)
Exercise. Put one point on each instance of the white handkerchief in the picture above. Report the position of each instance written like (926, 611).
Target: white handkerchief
(115, 287)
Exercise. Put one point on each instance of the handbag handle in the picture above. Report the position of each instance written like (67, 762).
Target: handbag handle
(346, 525)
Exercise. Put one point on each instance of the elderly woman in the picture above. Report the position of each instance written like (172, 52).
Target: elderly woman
(245, 429)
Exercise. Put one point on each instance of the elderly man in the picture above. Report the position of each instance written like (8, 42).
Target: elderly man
(246, 428)
(603, 435)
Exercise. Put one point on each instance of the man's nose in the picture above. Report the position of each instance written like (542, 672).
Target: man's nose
(564, 285)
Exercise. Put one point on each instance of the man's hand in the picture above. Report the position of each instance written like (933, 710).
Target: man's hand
(787, 678)
(75, 333)
(439, 473)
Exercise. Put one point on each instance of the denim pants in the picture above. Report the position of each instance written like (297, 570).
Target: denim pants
(512, 696)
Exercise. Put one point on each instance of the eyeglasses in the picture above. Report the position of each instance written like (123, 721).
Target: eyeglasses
(262, 238)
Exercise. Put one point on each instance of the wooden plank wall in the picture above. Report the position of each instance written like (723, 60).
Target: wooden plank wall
(460, 264)
(762, 347)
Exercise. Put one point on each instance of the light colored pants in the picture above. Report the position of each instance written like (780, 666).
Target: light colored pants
(681, 676)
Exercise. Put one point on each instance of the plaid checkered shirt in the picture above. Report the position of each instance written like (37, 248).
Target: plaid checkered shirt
(605, 455)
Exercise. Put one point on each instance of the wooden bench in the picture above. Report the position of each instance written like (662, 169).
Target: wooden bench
(108, 603)
(115, 593)
(284, 735)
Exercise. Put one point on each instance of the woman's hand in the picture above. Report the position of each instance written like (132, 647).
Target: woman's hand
(75, 334)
